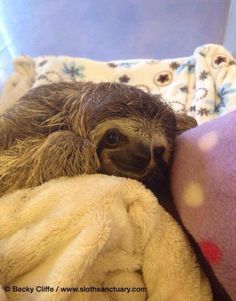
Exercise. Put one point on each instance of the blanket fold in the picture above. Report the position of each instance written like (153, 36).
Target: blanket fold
(93, 233)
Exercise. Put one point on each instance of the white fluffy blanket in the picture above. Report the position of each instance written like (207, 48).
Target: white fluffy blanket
(203, 84)
(94, 233)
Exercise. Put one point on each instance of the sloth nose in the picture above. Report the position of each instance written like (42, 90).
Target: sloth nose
(158, 152)
(141, 158)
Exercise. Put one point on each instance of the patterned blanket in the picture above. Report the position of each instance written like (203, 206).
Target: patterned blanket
(203, 85)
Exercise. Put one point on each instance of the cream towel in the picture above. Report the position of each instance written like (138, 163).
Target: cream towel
(94, 231)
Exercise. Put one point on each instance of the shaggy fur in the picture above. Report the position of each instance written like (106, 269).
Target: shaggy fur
(52, 131)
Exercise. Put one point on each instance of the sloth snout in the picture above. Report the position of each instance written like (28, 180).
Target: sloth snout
(146, 156)
(141, 156)
(142, 160)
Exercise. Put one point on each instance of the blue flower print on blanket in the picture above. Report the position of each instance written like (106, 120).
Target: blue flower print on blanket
(224, 93)
(190, 64)
(73, 71)
(127, 64)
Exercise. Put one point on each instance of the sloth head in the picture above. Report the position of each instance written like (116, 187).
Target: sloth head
(133, 131)
(66, 129)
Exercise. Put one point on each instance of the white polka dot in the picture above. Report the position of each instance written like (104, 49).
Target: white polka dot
(193, 195)
(208, 141)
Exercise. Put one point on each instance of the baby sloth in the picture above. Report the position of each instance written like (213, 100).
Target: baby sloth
(65, 129)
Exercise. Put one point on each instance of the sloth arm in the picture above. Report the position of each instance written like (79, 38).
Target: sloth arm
(35, 160)
(29, 116)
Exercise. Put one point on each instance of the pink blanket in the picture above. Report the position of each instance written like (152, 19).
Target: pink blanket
(204, 191)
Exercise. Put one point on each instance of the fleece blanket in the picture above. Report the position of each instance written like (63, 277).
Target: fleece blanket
(204, 191)
(202, 85)
(94, 237)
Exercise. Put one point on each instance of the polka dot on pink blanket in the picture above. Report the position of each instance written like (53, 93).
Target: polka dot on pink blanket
(211, 251)
(193, 194)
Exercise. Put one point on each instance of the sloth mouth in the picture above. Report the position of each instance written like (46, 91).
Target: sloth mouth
(138, 169)
(129, 167)
(145, 174)
(123, 169)
(132, 172)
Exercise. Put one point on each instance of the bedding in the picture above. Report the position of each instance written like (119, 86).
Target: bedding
(94, 231)
(202, 85)
(204, 190)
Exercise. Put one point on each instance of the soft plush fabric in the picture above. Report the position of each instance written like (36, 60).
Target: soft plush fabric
(203, 84)
(95, 231)
(204, 190)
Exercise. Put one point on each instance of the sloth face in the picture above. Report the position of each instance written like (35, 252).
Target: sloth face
(134, 148)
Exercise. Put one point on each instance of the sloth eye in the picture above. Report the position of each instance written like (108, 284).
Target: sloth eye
(112, 138)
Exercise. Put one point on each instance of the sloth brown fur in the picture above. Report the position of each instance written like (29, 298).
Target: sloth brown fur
(65, 129)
